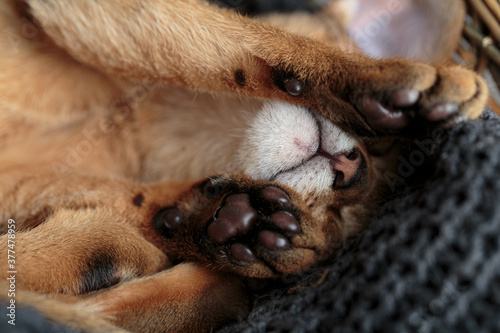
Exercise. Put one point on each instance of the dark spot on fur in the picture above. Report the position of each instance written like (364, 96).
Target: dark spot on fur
(138, 200)
(23, 9)
(100, 272)
(240, 77)
(122, 105)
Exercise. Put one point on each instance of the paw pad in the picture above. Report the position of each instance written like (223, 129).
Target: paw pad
(275, 195)
(394, 112)
(248, 226)
(441, 112)
(273, 241)
(286, 222)
(168, 219)
(242, 253)
(293, 86)
(380, 117)
(403, 98)
(237, 216)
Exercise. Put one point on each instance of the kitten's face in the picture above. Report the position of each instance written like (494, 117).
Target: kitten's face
(298, 148)
(301, 150)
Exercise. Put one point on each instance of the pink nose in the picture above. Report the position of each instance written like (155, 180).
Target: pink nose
(346, 166)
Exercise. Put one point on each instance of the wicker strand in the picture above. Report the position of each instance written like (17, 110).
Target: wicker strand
(487, 16)
(494, 6)
(482, 52)
(486, 43)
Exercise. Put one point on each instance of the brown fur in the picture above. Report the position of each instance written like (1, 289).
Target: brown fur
(88, 161)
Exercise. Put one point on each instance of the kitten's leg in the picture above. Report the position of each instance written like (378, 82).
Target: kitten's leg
(185, 298)
(203, 47)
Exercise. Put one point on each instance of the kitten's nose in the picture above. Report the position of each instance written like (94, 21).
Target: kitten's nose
(347, 167)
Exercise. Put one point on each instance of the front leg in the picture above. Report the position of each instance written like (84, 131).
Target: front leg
(202, 47)
(368, 96)
(188, 43)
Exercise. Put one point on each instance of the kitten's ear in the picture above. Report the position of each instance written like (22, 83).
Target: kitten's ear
(423, 30)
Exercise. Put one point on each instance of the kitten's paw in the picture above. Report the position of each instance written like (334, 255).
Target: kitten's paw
(250, 227)
(433, 98)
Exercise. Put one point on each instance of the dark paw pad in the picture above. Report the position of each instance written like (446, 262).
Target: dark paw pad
(403, 98)
(242, 253)
(440, 112)
(273, 241)
(275, 195)
(246, 225)
(380, 117)
(286, 222)
(396, 111)
(237, 216)
(168, 219)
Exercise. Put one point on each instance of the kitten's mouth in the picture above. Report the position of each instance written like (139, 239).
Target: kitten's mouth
(345, 162)
(346, 167)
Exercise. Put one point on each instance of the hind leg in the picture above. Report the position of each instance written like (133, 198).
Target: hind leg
(185, 298)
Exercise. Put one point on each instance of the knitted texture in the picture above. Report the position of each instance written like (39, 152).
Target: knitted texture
(428, 262)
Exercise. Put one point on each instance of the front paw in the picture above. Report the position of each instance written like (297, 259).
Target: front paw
(423, 96)
(238, 224)
(256, 225)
